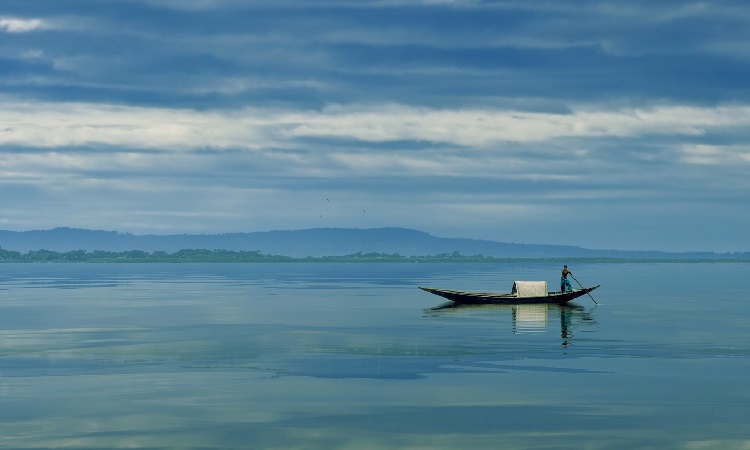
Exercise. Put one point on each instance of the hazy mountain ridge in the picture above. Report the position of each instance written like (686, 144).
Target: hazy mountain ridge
(315, 242)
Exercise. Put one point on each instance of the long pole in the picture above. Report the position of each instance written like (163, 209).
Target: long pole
(579, 284)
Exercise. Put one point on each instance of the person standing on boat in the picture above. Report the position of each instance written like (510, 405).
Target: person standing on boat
(564, 283)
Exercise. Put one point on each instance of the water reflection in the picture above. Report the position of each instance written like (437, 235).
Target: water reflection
(332, 356)
(527, 319)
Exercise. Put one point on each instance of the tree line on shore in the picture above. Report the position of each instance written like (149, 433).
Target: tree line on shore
(228, 256)
(204, 255)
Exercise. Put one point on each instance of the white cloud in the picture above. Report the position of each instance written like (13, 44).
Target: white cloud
(487, 127)
(16, 25)
(76, 124)
(716, 155)
(83, 124)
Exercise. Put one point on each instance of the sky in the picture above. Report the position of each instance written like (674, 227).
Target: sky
(599, 124)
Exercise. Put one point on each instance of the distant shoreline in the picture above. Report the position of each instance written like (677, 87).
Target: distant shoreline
(229, 256)
(321, 243)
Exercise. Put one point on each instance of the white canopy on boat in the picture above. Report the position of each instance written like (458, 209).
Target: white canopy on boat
(530, 288)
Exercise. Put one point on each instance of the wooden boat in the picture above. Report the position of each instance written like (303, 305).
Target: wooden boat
(516, 297)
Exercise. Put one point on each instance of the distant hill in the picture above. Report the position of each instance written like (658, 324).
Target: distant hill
(315, 242)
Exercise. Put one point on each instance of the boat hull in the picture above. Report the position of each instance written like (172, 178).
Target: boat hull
(488, 298)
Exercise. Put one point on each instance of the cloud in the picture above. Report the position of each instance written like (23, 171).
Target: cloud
(497, 111)
(716, 155)
(16, 25)
(76, 124)
(231, 54)
(42, 124)
(474, 127)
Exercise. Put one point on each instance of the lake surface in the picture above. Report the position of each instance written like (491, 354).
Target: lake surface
(354, 356)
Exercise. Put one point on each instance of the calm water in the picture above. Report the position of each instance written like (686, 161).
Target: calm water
(354, 356)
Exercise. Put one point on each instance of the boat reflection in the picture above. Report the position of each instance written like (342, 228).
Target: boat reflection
(533, 318)
(529, 318)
